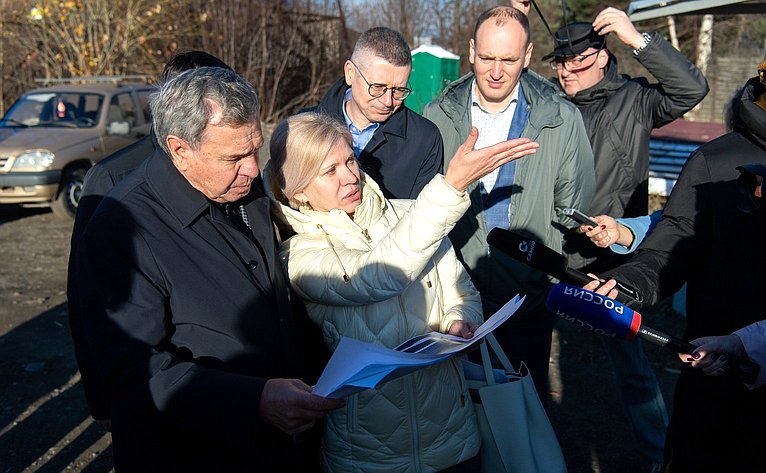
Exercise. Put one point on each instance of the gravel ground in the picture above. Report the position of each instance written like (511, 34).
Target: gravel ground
(44, 423)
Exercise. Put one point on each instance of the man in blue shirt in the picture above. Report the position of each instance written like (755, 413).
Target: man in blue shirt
(395, 146)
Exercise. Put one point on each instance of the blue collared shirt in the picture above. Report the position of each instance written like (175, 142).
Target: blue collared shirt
(493, 127)
(361, 137)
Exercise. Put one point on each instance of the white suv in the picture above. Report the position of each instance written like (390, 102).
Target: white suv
(51, 136)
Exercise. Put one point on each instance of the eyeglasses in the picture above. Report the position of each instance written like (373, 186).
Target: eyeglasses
(573, 64)
(379, 90)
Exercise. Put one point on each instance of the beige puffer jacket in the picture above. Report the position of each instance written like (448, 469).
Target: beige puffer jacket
(385, 276)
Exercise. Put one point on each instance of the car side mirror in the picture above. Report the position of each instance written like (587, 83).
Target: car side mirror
(118, 128)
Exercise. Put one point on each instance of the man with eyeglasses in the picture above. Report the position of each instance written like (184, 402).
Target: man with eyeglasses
(503, 100)
(619, 114)
(398, 148)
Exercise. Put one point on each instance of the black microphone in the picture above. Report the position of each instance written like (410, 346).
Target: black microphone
(608, 317)
(538, 256)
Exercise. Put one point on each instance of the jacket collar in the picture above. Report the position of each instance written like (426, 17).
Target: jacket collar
(748, 118)
(542, 99)
(455, 101)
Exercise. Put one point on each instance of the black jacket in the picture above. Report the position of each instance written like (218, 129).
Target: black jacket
(101, 178)
(704, 240)
(186, 318)
(619, 114)
(405, 152)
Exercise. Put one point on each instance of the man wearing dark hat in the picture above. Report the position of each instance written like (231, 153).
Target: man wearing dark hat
(619, 113)
(707, 242)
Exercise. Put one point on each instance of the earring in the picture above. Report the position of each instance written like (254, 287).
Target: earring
(304, 205)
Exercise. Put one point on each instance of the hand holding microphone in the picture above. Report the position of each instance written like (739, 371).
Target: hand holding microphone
(711, 354)
(610, 318)
(538, 256)
(604, 288)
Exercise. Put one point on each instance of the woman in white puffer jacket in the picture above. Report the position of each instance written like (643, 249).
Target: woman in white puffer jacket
(382, 271)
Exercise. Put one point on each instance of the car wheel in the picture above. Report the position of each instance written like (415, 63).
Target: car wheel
(65, 203)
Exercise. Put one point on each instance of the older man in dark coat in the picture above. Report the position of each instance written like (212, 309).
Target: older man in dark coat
(184, 306)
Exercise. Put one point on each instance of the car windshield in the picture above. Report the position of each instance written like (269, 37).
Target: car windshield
(54, 109)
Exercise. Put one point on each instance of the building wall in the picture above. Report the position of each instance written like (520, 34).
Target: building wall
(725, 75)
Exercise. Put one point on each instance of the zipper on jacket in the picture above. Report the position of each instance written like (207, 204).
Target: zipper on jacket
(457, 366)
(416, 460)
(366, 235)
(329, 243)
(351, 413)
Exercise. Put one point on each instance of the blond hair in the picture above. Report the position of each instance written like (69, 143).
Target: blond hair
(298, 147)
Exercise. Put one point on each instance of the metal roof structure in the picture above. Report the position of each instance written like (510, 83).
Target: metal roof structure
(648, 9)
(670, 147)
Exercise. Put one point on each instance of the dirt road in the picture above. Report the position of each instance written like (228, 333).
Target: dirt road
(44, 424)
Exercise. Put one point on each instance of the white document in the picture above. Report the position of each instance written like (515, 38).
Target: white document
(356, 365)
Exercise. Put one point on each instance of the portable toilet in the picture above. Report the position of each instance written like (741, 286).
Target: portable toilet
(433, 67)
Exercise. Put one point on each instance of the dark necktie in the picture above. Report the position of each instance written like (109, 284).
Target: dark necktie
(238, 215)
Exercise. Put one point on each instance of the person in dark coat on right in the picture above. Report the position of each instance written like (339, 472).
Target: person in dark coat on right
(704, 240)
(619, 113)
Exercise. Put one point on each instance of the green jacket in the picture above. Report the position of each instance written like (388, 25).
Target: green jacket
(561, 174)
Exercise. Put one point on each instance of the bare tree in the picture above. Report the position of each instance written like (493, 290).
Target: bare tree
(290, 51)
(98, 37)
(672, 32)
(411, 18)
(705, 43)
(453, 25)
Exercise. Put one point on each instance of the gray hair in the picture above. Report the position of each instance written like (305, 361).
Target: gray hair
(384, 43)
(186, 103)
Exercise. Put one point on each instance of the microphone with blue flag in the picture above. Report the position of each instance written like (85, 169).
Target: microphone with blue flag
(610, 318)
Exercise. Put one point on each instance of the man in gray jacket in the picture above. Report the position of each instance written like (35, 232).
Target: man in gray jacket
(619, 114)
(503, 100)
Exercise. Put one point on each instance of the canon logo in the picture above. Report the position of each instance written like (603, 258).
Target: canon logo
(528, 248)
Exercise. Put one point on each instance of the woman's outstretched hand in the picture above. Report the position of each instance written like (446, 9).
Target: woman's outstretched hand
(469, 164)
